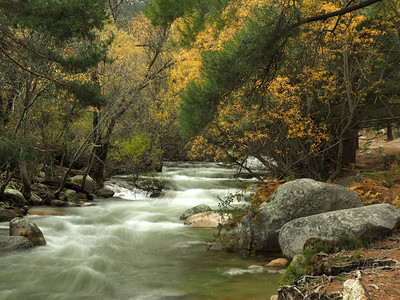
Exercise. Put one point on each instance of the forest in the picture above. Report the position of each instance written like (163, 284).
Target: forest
(120, 86)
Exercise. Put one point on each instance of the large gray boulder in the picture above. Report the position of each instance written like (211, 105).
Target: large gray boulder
(6, 215)
(195, 210)
(13, 242)
(28, 229)
(365, 223)
(295, 199)
(90, 185)
(15, 196)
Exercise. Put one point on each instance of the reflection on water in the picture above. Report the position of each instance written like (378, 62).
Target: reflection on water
(135, 248)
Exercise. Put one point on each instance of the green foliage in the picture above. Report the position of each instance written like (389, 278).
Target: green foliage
(87, 58)
(164, 12)
(59, 36)
(226, 204)
(87, 94)
(14, 150)
(61, 20)
(345, 242)
(294, 271)
(138, 154)
(252, 55)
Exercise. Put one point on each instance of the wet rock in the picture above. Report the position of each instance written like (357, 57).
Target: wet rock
(257, 267)
(63, 196)
(195, 210)
(206, 219)
(279, 263)
(28, 229)
(35, 200)
(364, 223)
(90, 185)
(292, 200)
(81, 196)
(13, 242)
(15, 197)
(6, 215)
(105, 193)
(71, 195)
(59, 203)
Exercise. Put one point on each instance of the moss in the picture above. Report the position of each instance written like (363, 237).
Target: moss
(345, 242)
(296, 269)
(315, 261)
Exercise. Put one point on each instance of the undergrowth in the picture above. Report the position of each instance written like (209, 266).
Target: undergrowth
(314, 259)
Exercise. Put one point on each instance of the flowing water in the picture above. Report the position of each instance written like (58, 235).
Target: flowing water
(135, 247)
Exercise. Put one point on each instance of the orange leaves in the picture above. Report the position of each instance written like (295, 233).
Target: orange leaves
(199, 148)
(377, 191)
(264, 128)
(264, 190)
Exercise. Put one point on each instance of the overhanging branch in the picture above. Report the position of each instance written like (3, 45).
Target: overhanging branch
(336, 13)
(39, 75)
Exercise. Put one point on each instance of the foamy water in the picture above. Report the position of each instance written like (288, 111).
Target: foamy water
(135, 247)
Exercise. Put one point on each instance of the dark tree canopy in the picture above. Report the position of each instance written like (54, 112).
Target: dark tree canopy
(61, 35)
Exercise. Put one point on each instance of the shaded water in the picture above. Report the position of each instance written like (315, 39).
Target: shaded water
(135, 248)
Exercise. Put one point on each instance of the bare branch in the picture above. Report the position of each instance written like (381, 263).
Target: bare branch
(336, 13)
(7, 55)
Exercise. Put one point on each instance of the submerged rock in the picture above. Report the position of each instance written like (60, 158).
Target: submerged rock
(364, 223)
(292, 200)
(28, 229)
(194, 210)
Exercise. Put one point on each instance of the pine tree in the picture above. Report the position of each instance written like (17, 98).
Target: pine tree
(61, 35)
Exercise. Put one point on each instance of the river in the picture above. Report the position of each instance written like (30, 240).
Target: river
(135, 247)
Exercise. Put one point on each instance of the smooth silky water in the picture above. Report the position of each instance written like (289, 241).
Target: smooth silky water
(135, 247)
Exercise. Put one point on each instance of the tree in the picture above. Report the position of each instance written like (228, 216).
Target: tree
(331, 73)
(140, 60)
(243, 69)
(59, 34)
(45, 45)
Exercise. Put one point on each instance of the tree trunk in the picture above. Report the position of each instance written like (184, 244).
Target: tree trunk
(100, 148)
(389, 130)
(100, 152)
(350, 143)
(26, 183)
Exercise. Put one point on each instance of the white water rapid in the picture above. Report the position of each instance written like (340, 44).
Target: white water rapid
(135, 247)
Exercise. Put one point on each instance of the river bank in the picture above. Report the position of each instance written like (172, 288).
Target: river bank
(376, 180)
